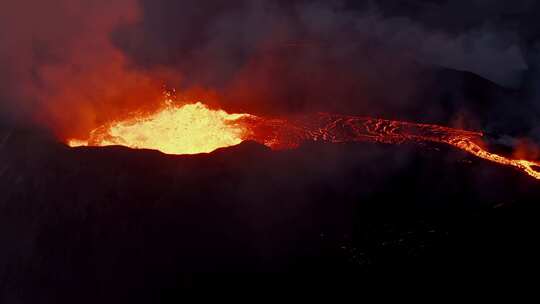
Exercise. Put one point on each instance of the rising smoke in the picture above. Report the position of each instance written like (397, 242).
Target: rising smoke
(72, 65)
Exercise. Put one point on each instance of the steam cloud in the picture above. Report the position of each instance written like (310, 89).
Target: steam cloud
(59, 67)
(72, 65)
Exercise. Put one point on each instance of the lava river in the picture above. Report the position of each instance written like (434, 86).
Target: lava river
(195, 128)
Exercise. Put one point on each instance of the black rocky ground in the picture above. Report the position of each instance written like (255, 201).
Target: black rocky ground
(89, 225)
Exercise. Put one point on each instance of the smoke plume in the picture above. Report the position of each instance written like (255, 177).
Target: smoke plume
(72, 65)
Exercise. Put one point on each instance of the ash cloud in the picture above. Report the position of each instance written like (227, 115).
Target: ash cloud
(218, 37)
(369, 58)
(58, 65)
(99, 60)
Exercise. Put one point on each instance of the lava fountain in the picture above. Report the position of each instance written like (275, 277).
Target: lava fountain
(195, 128)
(187, 129)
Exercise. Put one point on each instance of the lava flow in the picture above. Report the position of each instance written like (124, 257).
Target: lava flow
(195, 128)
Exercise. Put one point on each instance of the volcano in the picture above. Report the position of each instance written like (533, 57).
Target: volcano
(150, 147)
(194, 128)
(81, 218)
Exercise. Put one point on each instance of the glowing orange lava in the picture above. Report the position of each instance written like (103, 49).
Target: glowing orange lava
(195, 128)
(342, 128)
(187, 129)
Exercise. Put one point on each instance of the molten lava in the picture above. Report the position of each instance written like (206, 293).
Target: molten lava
(194, 128)
(324, 127)
(188, 129)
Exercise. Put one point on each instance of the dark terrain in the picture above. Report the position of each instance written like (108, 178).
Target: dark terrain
(114, 223)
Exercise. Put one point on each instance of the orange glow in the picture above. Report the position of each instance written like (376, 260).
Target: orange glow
(187, 129)
(325, 127)
(195, 128)
(529, 167)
